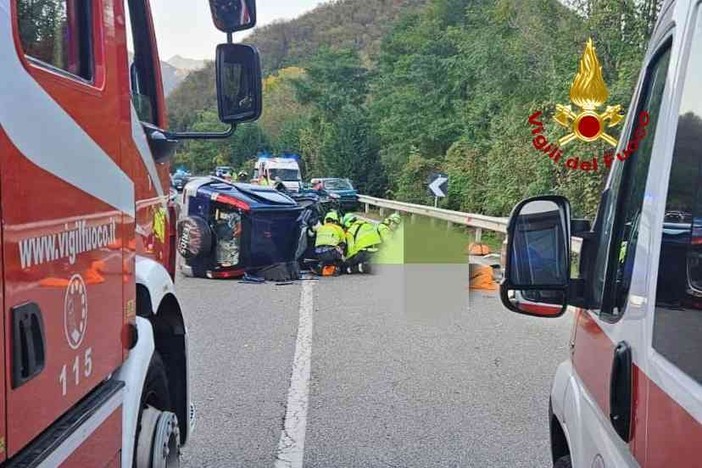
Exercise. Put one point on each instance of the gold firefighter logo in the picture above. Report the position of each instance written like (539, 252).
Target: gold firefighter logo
(589, 92)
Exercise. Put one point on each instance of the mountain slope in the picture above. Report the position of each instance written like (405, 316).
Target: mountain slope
(356, 24)
(177, 69)
(174, 71)
(353, 24)
(183, 63)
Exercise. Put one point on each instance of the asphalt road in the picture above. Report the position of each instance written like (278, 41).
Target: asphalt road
(407, 370)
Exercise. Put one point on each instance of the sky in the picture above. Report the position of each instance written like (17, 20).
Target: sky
(184, 27)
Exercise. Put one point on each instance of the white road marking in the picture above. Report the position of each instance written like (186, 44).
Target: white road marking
(291, 448)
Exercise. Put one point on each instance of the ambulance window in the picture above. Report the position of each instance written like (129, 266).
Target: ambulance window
(618, 222)
(677, 329)
(141, 71)
(57, 33)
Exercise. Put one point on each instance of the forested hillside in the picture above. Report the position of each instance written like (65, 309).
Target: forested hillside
(342, 24)
(448, 85)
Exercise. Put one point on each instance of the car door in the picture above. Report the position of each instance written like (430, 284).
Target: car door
(609, 346)
(674, 373)
(63, 195)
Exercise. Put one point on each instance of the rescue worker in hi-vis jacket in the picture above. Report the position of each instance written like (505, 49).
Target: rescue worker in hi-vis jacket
(389, 226)
(363, 241)
(330, 243)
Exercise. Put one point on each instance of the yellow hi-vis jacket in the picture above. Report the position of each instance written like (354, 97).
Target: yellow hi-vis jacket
(362, 235)
(329, 235)
(384, 232)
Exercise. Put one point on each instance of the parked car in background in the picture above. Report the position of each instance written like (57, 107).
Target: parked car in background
(342, 188)
(223, 171)
(179, 180)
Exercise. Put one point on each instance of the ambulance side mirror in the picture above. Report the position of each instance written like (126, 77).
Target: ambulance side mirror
(239, 86)
(537, 263)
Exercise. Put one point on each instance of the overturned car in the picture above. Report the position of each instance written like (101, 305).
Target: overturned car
(228, 230)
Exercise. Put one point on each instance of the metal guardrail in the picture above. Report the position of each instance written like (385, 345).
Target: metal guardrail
(476, 221)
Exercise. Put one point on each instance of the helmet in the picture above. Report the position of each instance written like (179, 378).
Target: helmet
(243, 174)
(332, 216)
(395, 218)
(348, 219)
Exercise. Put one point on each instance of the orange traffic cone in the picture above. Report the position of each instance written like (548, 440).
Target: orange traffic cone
(481, 278)
(477, 248)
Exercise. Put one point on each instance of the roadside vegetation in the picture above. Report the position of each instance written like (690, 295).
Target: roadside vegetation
(386, 92)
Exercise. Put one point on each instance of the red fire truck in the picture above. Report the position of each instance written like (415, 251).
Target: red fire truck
(94, 349)
(631, 392)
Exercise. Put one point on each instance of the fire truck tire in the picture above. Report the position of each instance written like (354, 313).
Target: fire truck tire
(563, 462)
(158, 436)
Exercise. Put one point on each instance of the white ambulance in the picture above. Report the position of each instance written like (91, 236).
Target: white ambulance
(631, 392)
(270, 170)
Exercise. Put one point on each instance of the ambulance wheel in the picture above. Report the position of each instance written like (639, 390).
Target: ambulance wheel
(563, 462)
(158, 435)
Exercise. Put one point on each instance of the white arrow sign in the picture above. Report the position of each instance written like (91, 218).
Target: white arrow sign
(435, 186)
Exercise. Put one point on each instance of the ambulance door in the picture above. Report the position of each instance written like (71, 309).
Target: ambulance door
(674, 375)
(609, 343)
(63, 195)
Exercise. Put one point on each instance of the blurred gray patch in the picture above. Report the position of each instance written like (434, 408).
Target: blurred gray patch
(427, 293)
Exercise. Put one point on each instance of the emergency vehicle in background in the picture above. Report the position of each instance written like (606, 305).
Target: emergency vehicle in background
(94, 351)
(631, 392)
(268, 170)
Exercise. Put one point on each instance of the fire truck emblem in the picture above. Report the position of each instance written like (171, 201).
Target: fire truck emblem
(75, 311)
(589, 92)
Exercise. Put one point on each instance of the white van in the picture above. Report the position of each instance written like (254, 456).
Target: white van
(286, 169)
(631, 392)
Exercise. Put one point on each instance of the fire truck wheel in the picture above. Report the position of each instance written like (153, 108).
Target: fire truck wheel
(158, 436)
(563, 462)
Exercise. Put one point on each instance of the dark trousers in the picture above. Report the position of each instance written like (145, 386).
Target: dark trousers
(328, 255)
(363, 257)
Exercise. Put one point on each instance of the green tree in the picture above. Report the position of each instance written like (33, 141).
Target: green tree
(201, 156)
(411, 183)
(338, 139)
(333, 79)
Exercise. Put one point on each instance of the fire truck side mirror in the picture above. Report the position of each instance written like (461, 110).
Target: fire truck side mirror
(230, 16)
(537, 270)
(239, 86)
